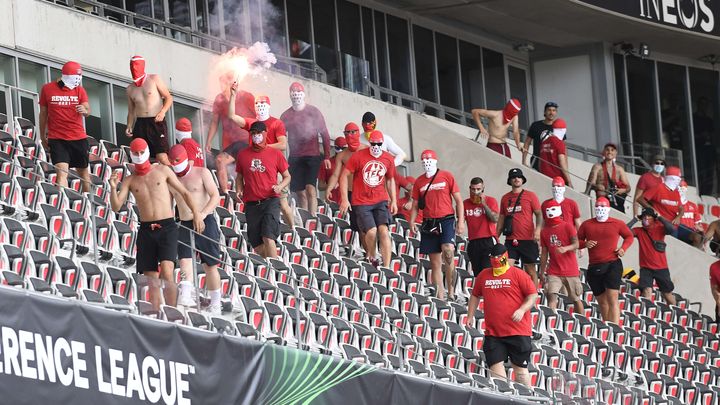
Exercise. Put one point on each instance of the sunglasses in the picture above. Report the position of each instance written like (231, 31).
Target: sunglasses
(376, 143)
(339, 148)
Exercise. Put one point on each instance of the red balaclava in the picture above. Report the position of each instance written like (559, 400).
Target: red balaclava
(142, 162)
(512, 108)
(137, 70)
(352, 136)
(179, 160)
(552, 213)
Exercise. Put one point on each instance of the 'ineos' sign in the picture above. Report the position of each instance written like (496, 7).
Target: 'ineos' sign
(691, 15)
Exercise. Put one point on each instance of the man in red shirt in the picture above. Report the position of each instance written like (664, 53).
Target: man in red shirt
(63, 104)
(373, 174)
(691, 218)
(653, 260)
(244, 106)
(183, 134)
(715, 287)
(481, 215)
(553, 153)
(340, 144)
(570, 208)
(600, 236)
(257, 169)
(434, 193)
(406, 202)
(509, 294)
(522, 236)
(649, 180)
(559, 241)
(665, 200)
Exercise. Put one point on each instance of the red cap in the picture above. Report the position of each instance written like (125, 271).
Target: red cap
(351, 126)
(262, 99)
(559, 123)
(558, 181)
(138, 145)
(184, 125)
(296, 86)
(376, 137)
(683, 183)
(672, 171)
(340, 142)
(177, 153)
(428, 154)
(71, 68)
(602, 202)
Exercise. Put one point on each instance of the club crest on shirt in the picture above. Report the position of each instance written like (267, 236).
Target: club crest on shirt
(477, 212)
(374, 173)
(555, 241)
(257, 166)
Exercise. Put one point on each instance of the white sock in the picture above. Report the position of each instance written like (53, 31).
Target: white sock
(215, 296)
(185, 287)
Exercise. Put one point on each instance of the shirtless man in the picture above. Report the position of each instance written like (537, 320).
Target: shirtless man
(499, 123)
(204, 193)
(148, 102)
(609, 179)
(158, 233)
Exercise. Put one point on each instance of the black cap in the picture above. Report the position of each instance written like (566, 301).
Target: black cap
(258, 126)
(498, 250)
(648, 212)
(368, 117)
(550, 104)
(513, 173)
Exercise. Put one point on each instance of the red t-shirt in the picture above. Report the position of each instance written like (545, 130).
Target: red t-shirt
(523, 225)
(275, 128)
(244, 107)
(194, 152)
(324, 176)
(406, 213)
(570, 210)
(715, 273)
(63, 122)
(503, 295)
(400, 183)
(438, 201)
(650, 258)
(478, 224)
(691, 215)
(260, 172)
(369, 176)
(561, 264)
(550, 151)
(648, 181)
(606, 234)
(665, 201)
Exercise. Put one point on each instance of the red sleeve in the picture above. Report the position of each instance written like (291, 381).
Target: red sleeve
(83, 95)
(416, 190)
(576, 209)
(561, 148)
(280, 129)
(626, 235)
(581, 235)
(454, 188)
(477, 286)
(401, 181)
(391, 168)
(650, 194)
(282, 162)
(42, 99)
(526, 284)
(534, 202)
(492, 204)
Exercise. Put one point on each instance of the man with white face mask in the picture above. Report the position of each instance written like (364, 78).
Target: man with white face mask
(373, 177)
(649, 180)
(305, 124)
(434, 193)
(665, 198)
(570, 208)
(151, 185)
(63, 105)
(600, 235)
(553, 153)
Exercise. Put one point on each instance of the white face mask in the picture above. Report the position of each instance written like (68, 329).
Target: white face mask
(71, 81)
(262, 110)
(138, 160)
(672, 182)
(659, 168)
(558, 193)
(646, 222)
(683, 195)
(257, 139)
(180, 167)
(375, 151)
(430, 166)
(602, 213)
(297, 98)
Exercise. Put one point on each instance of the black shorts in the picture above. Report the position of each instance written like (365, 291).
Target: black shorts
(234, 148)
(662, 276)
(499, 349)
(208, 247)
(432, 243)
(263, 220)
(371, 216)
(74, 153)
(604, 276)
(303, 171)
(157, 241)
(479, 252)
(154, 133)
(526, 250)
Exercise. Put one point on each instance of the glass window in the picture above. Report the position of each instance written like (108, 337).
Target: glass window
(381, 47)
(298, 12)
(7, 76)
(32, 77)
(273, 13)
(98, 124)
(254, 20)
(493, 65)
(518, 90)
(447, 67)
(234, 14)
(399, 50)
(621, 104)
(120, 109)
(191, 113)
(179, 12)
(674, 112)
(641, 89)
(369, 39)
(423, 46)
(705, 102)
(324, 26)
(350, 41)
(472, 81)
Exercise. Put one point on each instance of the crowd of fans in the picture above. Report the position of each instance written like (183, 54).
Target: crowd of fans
(541, 242)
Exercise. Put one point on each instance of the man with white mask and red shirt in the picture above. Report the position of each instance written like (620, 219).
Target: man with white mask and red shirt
(151, 185)
(305, 124)
(148, 101)
(570, 208)
(201, 185)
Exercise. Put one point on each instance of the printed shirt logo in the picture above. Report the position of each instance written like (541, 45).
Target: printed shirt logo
(374, 173)
(435, 186)
(669, 202)
(477, 212)
(64, 100)
(257, 166)
(495, 284)
(555, 241)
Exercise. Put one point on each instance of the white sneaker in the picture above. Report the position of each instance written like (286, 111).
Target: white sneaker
(185, 299)
(215, 309)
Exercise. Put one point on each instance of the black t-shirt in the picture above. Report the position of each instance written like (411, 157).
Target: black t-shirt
(535, 132)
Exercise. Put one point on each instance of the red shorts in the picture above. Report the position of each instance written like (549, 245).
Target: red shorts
(501, 148)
